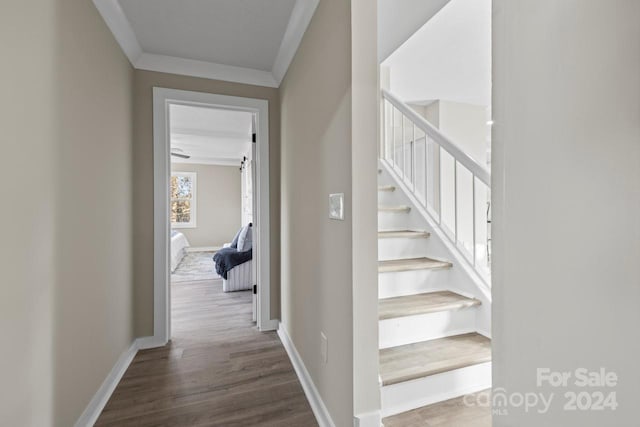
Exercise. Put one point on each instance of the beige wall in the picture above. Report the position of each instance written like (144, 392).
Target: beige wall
(27, 172)
(67, 292)
(566, 197)
(217, 203)
(316, 161)
(94, 293)
(143, 180)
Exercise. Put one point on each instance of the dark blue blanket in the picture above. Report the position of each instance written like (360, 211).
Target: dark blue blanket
(227, 258)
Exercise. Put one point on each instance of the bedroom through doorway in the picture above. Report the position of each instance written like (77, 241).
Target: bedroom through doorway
(213, 184)
(211, 213)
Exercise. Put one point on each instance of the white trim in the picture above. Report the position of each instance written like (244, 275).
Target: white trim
(210, 161)
(162, 98)
(371, 419)
(204, 69)
(101, 397)
(122, 30)
(313, 395)
(202, 248)
(120, 26)
(299, 21)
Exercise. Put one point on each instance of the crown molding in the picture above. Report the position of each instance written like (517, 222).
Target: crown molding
(300, 19)
(122, 30)
(204, 69)
(120, 26)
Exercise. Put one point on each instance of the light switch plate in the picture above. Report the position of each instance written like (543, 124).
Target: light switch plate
(324, 347)
(336, 206)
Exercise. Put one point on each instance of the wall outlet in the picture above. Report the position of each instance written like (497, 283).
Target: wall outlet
(324, 347)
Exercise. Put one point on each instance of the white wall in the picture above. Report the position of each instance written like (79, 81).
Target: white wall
(466, 125)
(218, 211)
(448, 58)
(566, 180)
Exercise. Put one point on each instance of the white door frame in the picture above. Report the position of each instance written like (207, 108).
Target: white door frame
(162, 98)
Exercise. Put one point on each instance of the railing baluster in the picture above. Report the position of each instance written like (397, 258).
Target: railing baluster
(440, 185)
(400, 141)
(455, 200)
(426, 172)
(473, 207)
(413, 157)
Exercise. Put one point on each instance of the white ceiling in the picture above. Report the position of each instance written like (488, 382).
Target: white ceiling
(245, 41)
(211, 30)
(448, 58)
(210, 135)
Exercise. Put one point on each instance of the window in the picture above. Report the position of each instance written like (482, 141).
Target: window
(183, 199)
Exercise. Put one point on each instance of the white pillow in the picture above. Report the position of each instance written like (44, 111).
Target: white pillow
(245, 240)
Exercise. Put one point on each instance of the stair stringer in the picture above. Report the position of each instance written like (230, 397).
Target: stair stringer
(461, 278)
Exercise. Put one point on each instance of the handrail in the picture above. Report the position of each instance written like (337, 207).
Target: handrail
(481, 172)
(457, 197)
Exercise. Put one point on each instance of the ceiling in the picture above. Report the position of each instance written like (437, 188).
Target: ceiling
(210, 135)
(448, 58)
(245, 41)
(399, 20)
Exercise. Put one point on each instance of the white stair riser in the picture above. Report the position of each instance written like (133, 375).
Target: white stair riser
(424, 327)
(401, 283)
(387, 198)
(396, 248)
(414, 394)
(392, 220)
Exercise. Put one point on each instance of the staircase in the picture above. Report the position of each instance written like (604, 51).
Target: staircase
(434, 287)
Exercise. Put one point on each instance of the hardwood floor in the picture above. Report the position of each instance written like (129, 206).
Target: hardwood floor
(218, 370)
(451, 413)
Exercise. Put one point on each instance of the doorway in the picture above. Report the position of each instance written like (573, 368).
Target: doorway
(169, 104)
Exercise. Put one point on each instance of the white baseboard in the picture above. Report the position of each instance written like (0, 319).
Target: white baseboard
(144, 343)
(371, 419)
(313, 396)
(271, 325)
(100, 399)
(202, 248)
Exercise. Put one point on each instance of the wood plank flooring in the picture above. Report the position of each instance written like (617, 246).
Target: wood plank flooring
(451, 413)
(218, 370)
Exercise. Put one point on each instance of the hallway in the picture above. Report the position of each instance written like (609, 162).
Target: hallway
(217, 370)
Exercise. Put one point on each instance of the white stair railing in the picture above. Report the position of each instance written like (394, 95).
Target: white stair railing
(453, 188)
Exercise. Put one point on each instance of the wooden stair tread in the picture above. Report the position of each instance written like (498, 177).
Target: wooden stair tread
(419, 360)
(452, 412)
(398, 208)
(423, 263)
(409, 234)
(411, 305)
(386, 188)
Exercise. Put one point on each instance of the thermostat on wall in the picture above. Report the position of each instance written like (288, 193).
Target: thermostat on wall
(336, 206)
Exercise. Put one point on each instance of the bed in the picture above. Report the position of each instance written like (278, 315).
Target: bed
(179, 244)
